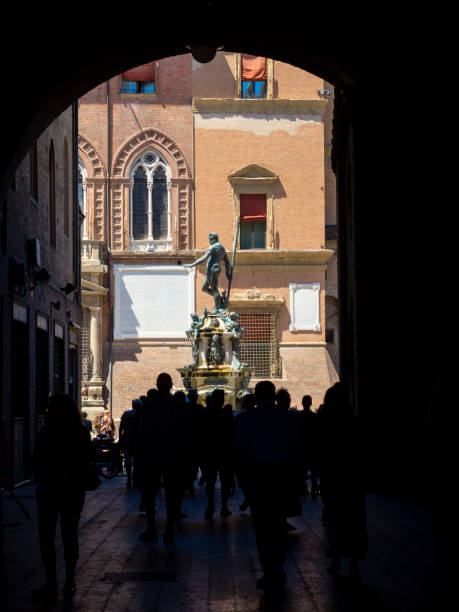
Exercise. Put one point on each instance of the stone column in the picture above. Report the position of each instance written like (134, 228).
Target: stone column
(94, 341)
(150, 208)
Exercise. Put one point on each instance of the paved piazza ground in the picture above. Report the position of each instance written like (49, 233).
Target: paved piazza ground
(213, 565)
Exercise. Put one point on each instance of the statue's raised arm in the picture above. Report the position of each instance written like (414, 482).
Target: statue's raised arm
(215, 255)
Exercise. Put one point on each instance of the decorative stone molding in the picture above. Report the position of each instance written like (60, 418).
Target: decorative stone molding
(91, 159)
(249, 106)
(252, 174)
(253, 300)
(266, 257)
(133, 147)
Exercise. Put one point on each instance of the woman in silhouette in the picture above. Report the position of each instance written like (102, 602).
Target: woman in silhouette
(62, 459)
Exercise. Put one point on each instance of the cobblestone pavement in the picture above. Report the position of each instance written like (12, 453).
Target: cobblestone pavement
(213, 565)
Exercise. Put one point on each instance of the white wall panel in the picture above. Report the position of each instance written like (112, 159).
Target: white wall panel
(304, 306)
(153, 301)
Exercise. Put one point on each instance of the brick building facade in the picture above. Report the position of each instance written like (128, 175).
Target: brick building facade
(177, 149)
(39, 291)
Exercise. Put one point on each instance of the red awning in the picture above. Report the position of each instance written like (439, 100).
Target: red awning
(253, 67)
(253, 206)
(145, 72)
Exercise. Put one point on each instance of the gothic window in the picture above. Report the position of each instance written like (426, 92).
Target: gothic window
(159, 204)
(140, 205)
(150, 203)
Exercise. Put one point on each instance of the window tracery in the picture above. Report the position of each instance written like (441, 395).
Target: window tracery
(150, 203)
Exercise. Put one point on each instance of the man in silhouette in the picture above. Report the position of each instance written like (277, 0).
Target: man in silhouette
(266, 442)
(127, 437)
(217, 430)
(161, 453)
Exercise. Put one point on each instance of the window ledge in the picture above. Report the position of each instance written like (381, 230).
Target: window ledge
(258, 106)
(151, 96)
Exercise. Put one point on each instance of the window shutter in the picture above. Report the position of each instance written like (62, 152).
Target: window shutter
(253, 206)
(145, 72)
(253, 68)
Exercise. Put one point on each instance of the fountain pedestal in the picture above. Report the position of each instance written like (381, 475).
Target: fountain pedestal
(215, 346)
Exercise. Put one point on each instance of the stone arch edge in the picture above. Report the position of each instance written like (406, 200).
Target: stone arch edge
(134, 146)
(92, 159)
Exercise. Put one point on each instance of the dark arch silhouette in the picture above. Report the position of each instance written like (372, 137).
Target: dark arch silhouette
(380, 70)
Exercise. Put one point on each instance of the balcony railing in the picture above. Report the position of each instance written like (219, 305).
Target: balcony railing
(92, 250)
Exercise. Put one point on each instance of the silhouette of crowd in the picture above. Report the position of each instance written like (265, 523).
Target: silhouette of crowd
(267, 449)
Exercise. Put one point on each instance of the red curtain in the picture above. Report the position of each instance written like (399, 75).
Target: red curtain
(253, 67)
(253, 206)
(145, 72)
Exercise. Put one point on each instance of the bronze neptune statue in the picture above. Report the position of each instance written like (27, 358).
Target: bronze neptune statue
(216, 255)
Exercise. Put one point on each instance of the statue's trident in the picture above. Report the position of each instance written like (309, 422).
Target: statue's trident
(236, 235)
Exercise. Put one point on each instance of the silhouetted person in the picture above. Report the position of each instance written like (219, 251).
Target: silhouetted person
(267, 443)
(194, 412)
(308, 421)
(62, 457)
(161, 453)
(293, 505)
(216, 452)
(247, 405)
(86, 422)
(127, 437)
(341, 481)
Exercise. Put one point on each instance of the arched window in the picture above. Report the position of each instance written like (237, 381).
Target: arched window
(160, 204)
(140, 205)
(52, 195)
(150, 207)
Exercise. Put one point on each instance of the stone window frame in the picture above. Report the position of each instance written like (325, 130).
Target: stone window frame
(269, 78)
(150, 244)
(262, 182)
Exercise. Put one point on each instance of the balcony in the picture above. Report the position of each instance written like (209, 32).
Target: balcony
(92, 256)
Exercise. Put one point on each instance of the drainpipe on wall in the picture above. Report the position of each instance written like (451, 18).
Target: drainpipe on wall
(109, 253)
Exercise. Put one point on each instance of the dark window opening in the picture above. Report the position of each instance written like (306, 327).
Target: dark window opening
(253, 220)
(73, 373)
(253, 234)
(253, 89)
(140, 205)
(159, 205)
(135, 87)
(59, 365)
(42, 371)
